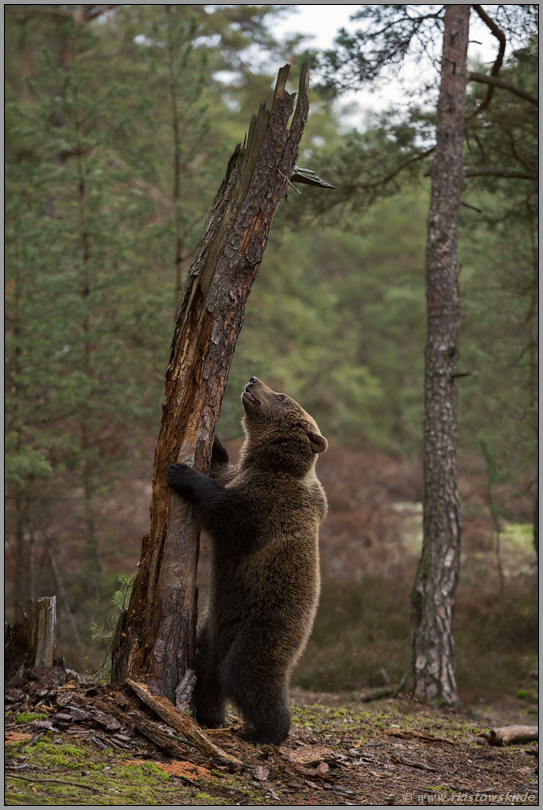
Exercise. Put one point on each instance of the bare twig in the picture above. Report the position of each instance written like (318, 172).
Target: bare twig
(420, 765)
(414, 734)
(377, 694)
(500, 36)
(53, 781)
(396, 171)
(479, 211)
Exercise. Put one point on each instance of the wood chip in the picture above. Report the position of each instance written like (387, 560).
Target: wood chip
(184, 769)
(16, 737)
(308, 754)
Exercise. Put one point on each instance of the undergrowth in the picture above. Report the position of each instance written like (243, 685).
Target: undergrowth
(361, 638)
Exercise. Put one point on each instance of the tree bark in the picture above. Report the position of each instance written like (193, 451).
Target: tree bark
(432, 596)
(157, 634)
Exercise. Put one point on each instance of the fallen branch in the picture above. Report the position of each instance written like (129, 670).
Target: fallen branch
(168, 742)
(512, 735)
(420, 765)
(414, 734)
(377, 694)
(54, 781)
(180, 722)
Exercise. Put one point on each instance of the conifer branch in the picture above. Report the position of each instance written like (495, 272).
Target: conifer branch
(495, 81)
(496, 172)
(396, 171)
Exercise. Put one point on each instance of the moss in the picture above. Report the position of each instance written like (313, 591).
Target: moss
(27, 717)
(208, 801)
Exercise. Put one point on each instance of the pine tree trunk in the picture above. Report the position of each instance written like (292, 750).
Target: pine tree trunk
(157, 633)
(432, 597)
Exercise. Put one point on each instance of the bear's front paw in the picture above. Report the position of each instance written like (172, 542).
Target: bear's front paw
(178, 473)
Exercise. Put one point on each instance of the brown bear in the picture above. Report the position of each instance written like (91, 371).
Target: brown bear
(263, 518)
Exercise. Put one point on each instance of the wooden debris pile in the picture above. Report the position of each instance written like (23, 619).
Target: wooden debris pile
(106, 716)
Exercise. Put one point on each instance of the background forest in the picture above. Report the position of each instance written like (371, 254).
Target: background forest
(119, 124)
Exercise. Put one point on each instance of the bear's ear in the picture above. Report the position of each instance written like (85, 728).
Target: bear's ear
(318, 443)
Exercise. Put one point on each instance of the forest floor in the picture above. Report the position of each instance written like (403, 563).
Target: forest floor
(340, 752)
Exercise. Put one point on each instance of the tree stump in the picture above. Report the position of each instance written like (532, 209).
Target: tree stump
(156, 636)
(31, 641)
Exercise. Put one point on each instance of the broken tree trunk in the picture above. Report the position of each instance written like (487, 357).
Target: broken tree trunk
(31, 641)
(156, 637)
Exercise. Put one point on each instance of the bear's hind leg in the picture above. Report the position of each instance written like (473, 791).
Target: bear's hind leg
(209, 697)
(258, 685)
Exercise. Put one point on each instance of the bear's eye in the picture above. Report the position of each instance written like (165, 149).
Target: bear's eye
(281, 397)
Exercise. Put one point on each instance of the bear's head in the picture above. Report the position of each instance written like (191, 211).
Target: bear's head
(280, 435)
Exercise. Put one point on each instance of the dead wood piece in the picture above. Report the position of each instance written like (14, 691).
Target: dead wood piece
(26, 766)
(78, 714)
(13, 695)
(31, 641)
(380, 692)
(420, 765)
(183, 693)
(41, 680)
(512, 735)
(39, 778)
(62, 718)
(415, 734)
(317, 773)
(106, 720)
(154, 732)
(39, 725)
(309, 754)
(180, 722)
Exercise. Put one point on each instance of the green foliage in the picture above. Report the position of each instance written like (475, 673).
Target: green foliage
(337, 320)
(362, 630)
(119, 600)
(121, 597)
(112, 165)
(118, 132)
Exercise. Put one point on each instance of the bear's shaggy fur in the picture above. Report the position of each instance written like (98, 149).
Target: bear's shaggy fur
(263, 517)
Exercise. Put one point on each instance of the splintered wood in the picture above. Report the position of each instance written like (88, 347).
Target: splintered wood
(180, 722)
